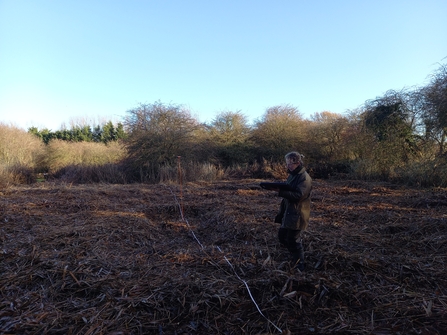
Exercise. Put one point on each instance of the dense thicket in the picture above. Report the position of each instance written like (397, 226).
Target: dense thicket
(400, 136)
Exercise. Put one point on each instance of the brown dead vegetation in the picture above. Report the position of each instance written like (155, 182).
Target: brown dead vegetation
(122, 259)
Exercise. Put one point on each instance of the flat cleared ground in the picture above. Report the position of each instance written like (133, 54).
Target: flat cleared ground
(204, 259)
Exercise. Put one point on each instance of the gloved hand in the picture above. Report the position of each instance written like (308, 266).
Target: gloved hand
(278, 218)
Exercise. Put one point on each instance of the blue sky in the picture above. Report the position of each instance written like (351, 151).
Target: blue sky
(95, 60)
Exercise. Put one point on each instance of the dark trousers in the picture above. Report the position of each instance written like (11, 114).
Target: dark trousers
(291, 239)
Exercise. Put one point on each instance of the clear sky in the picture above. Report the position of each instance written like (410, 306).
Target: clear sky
(96, 59)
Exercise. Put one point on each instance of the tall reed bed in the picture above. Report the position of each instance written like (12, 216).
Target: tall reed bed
(19, 154)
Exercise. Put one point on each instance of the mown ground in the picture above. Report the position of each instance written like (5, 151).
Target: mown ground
(204, 259)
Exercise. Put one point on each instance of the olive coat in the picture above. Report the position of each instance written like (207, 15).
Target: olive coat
(294, 211)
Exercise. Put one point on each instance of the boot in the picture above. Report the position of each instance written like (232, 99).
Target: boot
(300, 266)
(298, 257)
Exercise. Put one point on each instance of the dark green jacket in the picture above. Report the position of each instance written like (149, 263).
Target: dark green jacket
(294, 212)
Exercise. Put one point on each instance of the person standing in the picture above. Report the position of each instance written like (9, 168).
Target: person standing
(294, 210)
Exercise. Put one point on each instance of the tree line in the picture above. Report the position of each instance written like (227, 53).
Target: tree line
(399, 136)
(105, 133)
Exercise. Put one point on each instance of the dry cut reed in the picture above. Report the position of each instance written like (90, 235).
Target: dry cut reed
(118, 259)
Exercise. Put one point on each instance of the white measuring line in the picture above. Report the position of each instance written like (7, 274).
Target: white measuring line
(183, 219)
(229, 263)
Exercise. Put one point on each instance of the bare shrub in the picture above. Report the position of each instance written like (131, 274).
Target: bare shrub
(280, 128)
